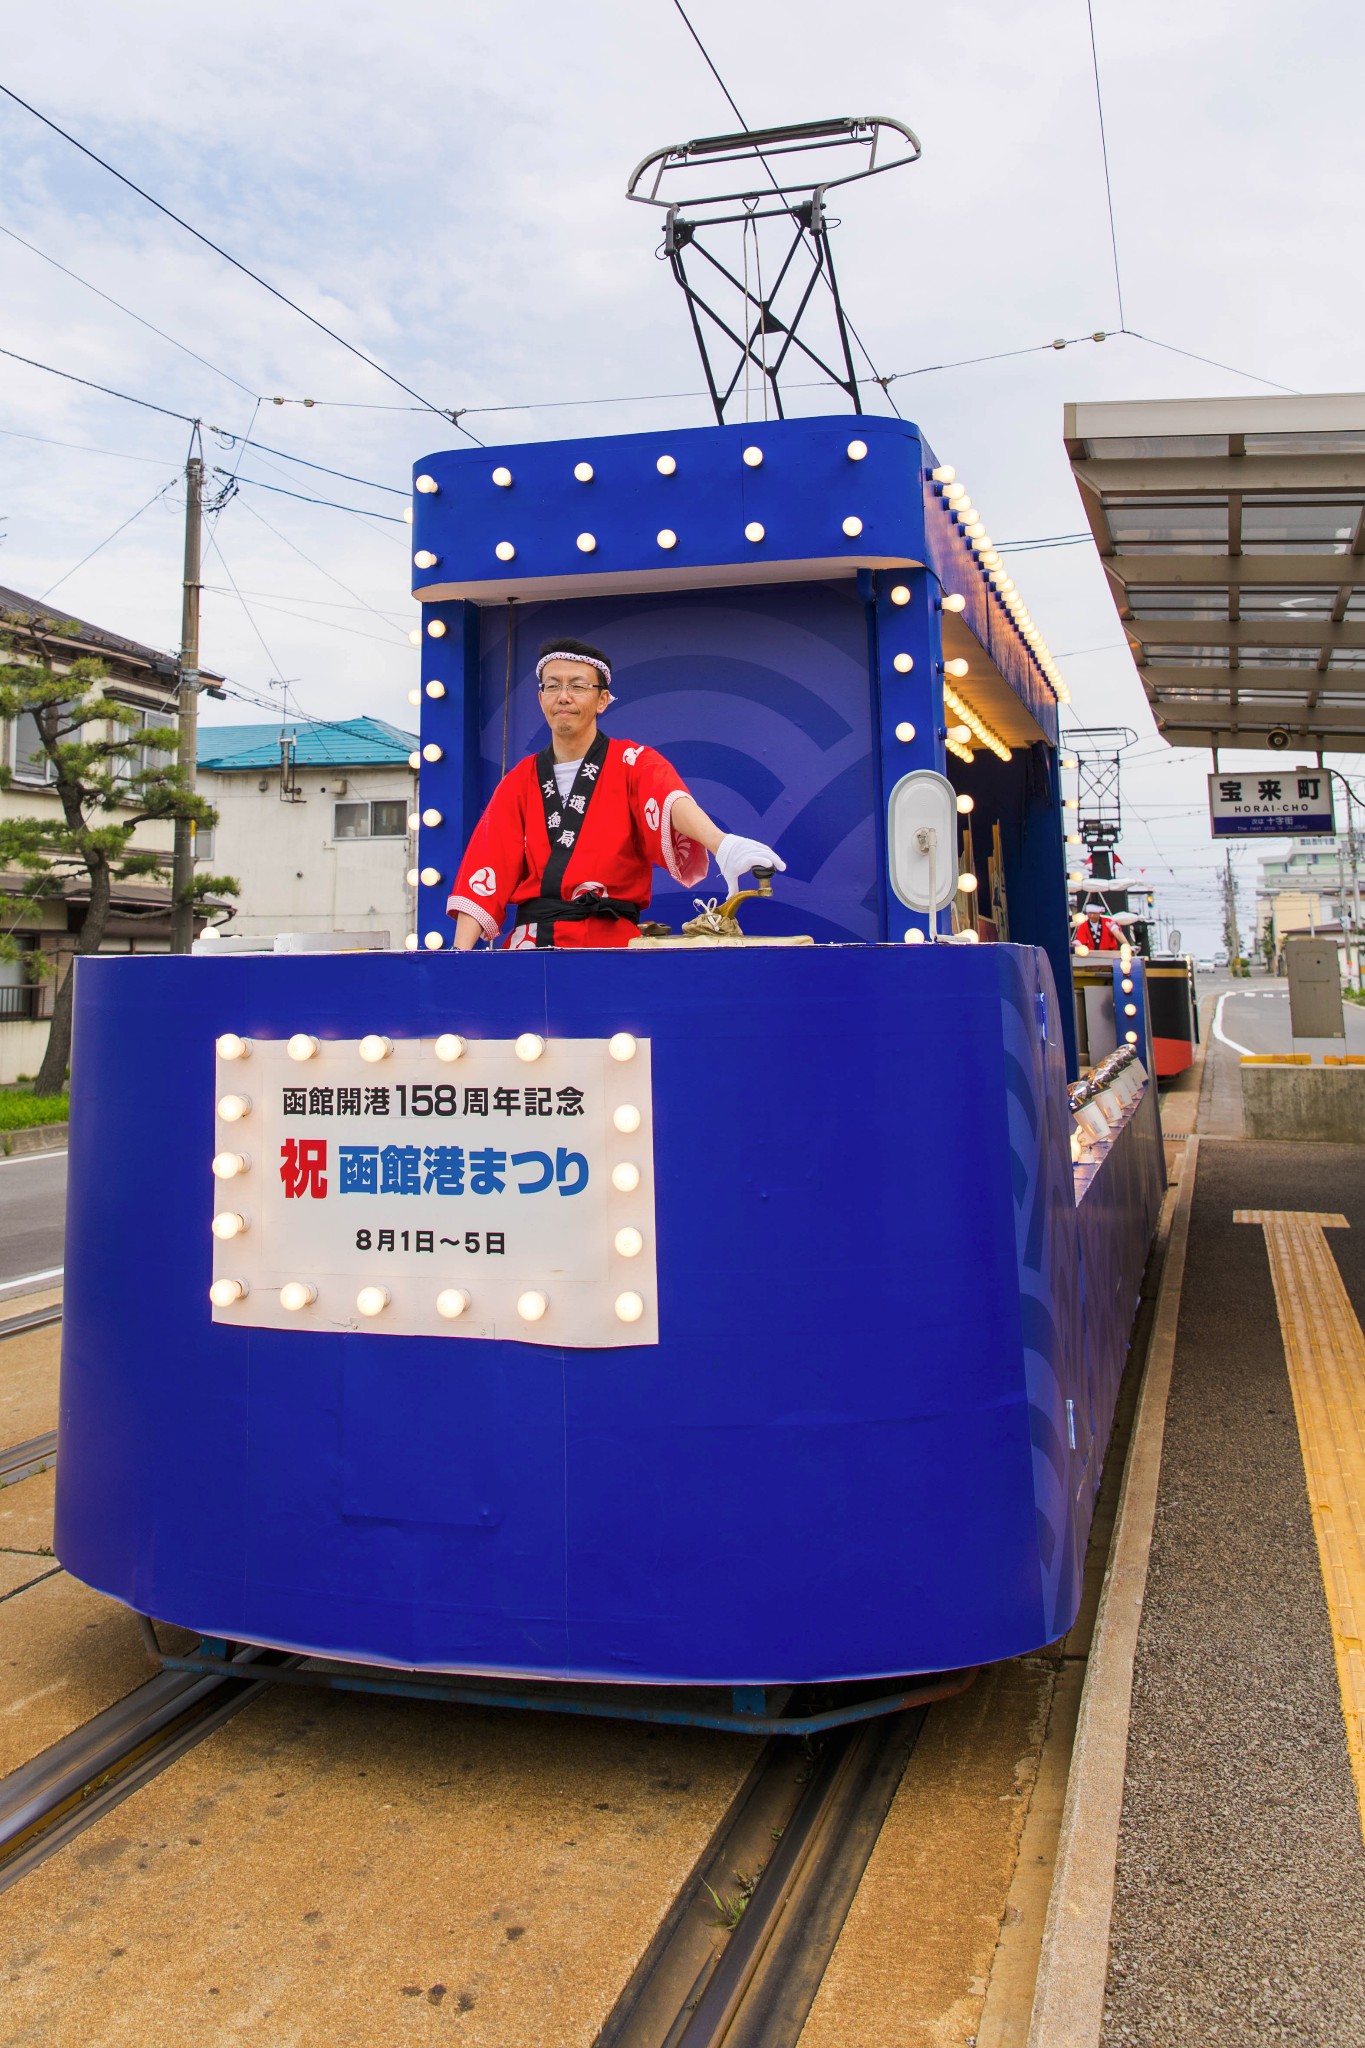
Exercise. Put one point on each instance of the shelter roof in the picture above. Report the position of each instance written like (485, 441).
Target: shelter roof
(1232, 532)
(343, 743)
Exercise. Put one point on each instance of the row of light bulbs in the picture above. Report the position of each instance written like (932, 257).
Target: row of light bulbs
(667, 465)
(230, 1045)
(975, 723)
(964, 512)
(451, 1303)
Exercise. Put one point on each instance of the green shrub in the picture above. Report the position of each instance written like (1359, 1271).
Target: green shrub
(19, 1112)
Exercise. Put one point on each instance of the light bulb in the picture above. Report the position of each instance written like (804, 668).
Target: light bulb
(231, 1047)
(956, 667)
(1075, 875)
(857, 450)
(629, 1242)
(224, 1293)
(449, 1046)
(905, 731)
(944, 474)
(666, 538)
(435, 689)
(502, 478)
(1073, 838)
(622, 1045)
(410, 942)
(903, 663)
(583, 472)
(965, 805)
(414, 696)
(232, 1108)
(974, 529)
(966, 883)
(1127, 987)
(431, 817)
(532, 1305)
(437, 629)
(960, 735)
(430, 877)
(1130, 1009)
(412, 878)
(753, 458)
(427, 485)
(451, 1303)
(372, 1301)
(629, 1307)
(505, 551)
(414, 636)
(665, 465)
(529, 1046)
(1130, 1038)
(228, 1223)
(413, 821)
(901, 594)
(914, 937)
(754, 531)
(626, 1118)
(374, 1047)
(414, 760)
(587, 543)
(297, 1294)
(434, 941)
(853, 526)
(227, 1165)
(424, 559)
(1068, 761)
(625, 1178)
(431, 752)
(954, 602)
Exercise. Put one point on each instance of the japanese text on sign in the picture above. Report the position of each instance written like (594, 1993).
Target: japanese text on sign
(1297, 800)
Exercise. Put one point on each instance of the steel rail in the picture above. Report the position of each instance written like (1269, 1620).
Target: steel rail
(21, 1461)
(785, 1906)
(66, 1788)
(36, 1319)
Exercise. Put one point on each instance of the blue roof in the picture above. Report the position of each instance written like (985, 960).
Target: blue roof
(345, 743)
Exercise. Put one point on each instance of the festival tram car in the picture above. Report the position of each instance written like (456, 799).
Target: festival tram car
(737, 1310)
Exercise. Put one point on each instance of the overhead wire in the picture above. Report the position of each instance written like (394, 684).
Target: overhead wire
(1104, 153)
(359, 512)
(270, 528)
(82, 447)
(67, 574)
(444, 412)
(71, 378)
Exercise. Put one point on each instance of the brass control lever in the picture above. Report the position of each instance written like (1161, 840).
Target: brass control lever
(764, 879)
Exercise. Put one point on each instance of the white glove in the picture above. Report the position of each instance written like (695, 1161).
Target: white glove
(735, 856)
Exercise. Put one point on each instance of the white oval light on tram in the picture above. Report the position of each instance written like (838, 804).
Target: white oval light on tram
(505, 551)
(626, 1118)
(374, 1047)
(954, 602)
(905, 731)
(629, 1307)
(532, 1305)
(424, 559)
(853, 526)
(755, 531)
(622, 1045)
(231, 1047)
(451, 1303)
(666, 465)
(966, 883)
(372, 1301)
(529, 1046)
(502, 478)
(434, 941)
(437, 629)
(629, 1242)
(227, 1165)
(753, 458)
(229, 1223)
(430, 817)
(224, 1293)
(957, 667)
(430, 877)
(431, 752)
(857, 450)
(583, 472)
(426, 485)
(903, 663)
(435, 688)
(666, 538)
(297, 1294)
(625, 1178)
(965, 805)
(587, 543)
(449, 1046)
(232, 1108)
(901, 594)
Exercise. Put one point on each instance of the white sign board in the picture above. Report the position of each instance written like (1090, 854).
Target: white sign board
(1274, 800)
(485, 1195)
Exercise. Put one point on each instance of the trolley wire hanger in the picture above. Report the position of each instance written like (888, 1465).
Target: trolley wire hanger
(704, 202)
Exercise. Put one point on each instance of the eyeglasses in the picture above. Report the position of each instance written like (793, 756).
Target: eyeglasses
(571, 689)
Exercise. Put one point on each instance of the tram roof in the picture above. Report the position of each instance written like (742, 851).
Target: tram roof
(1232, 532)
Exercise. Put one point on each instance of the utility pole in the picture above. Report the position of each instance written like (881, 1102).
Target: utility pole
(1232, 937)
(182, 866)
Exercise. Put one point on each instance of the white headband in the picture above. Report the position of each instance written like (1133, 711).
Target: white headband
(584, 660)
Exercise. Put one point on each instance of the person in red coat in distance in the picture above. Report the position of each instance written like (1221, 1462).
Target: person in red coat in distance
(572, 834)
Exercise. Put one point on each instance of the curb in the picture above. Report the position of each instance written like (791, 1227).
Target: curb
(38, 1138)
(1068, 2004)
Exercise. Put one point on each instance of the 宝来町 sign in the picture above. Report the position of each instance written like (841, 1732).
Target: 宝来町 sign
(525, 1185)
(1297, 801)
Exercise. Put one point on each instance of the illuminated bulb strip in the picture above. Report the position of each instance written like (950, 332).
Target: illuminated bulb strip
(987, 736)
(959, 505)
(959, 753)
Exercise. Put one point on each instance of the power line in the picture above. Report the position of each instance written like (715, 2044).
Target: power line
(444, 412)
(332, 625)
(82, 447)
(1104, 153)
(1035, 348)
(344, 474)
(66, 576)
(108, 390)
(120, 307)
(389, 518)
(1231, 368)
(263, 521)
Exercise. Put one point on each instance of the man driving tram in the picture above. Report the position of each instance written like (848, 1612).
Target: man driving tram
(571, 834)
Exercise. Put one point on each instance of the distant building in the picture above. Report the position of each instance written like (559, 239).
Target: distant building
(1311, 889)
(312, 823)
(147, 680)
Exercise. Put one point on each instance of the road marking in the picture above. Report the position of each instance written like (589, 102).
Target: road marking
(31, 1280)
(27, 1158)
(1324, 1349)
(1218, 1030)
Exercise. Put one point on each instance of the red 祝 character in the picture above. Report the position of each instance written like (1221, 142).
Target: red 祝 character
(303, 1168)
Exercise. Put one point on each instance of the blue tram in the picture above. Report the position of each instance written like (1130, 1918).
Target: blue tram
(707, 1312)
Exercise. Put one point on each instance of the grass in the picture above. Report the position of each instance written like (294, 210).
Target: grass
(21, 1111)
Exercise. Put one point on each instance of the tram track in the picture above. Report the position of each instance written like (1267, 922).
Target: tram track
(33, 1319)
(72, 1784)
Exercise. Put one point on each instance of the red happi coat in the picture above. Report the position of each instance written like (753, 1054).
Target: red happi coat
(601, 843)
(1099, 935)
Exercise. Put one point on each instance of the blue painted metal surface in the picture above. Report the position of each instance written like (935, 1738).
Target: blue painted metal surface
(845, 1459)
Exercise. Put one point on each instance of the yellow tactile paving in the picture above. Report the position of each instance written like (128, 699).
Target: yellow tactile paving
(1324, 1348)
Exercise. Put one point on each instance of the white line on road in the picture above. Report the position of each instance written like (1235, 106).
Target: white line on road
(30, 1280)
(1218, 1030)
(26, 1158)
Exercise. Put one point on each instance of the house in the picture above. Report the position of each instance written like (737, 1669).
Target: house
(312, 824)
(146, 679)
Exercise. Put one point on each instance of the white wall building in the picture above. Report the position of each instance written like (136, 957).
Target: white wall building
(313, 825)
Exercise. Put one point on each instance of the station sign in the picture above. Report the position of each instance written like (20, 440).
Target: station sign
(504, 1190)
(1281, 801)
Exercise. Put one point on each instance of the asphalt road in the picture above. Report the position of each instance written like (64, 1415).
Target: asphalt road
(32, 1214)
(1255, 1018)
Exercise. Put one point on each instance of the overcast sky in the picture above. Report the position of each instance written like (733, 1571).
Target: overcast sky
(443, 185)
